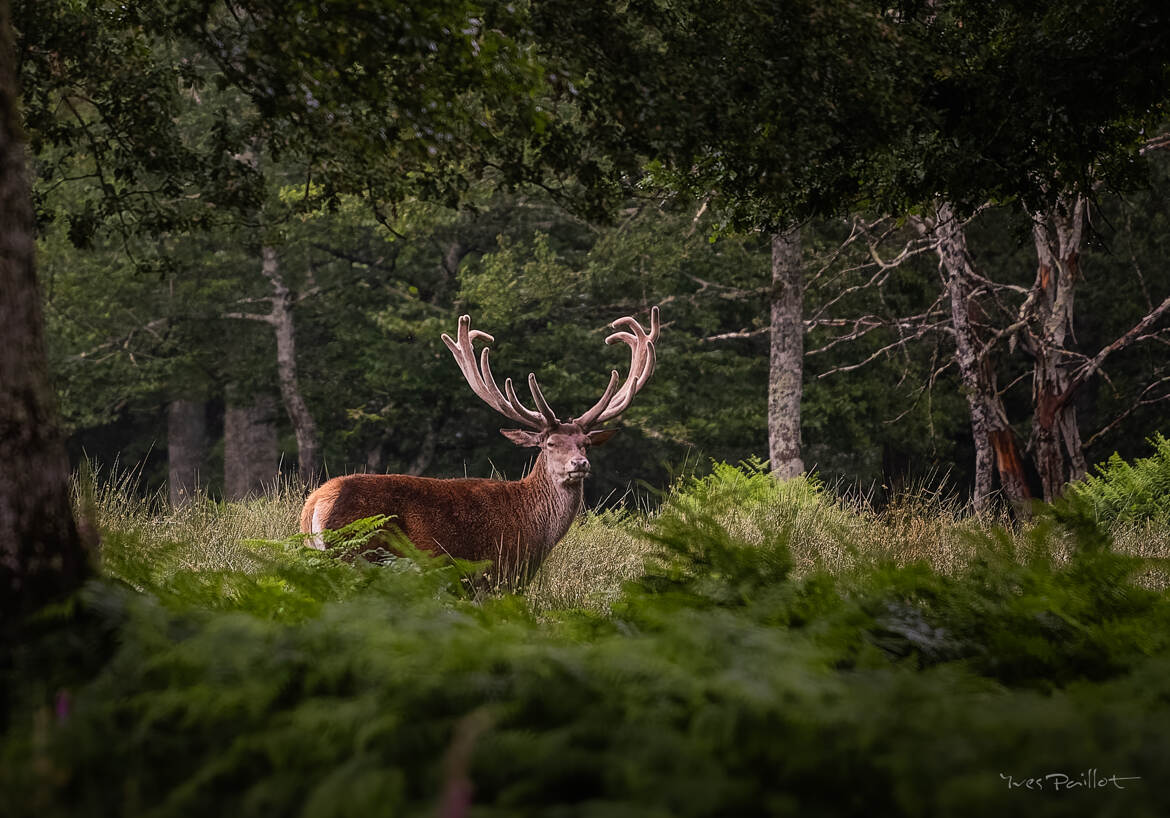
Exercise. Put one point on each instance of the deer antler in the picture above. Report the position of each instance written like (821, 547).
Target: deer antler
(479, 378)
(641, 344)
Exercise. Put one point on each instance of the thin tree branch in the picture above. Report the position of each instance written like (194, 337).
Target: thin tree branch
(1135, 333)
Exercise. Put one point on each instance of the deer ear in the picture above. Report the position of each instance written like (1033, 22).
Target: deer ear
(522, 437)
(600, 436)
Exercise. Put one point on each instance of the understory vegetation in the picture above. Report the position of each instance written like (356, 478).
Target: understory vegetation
(750, 647)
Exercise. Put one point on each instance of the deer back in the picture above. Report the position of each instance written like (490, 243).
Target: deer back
(467, 518)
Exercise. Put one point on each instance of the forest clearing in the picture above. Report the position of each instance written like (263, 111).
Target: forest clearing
(315, 317)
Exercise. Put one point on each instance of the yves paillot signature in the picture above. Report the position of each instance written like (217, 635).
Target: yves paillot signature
(1091, 779)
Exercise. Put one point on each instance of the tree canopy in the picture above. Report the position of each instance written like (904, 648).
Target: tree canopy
(785, 111)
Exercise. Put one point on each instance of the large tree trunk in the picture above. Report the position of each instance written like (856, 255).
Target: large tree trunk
(41, 554)
(997, 452)
(250, 452)
(786, 355)
(304, 427)
(186, 449)
(1048, 314)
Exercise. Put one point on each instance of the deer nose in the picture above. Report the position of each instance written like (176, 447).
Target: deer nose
(579, 464)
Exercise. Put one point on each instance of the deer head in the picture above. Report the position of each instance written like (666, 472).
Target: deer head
(564, 445)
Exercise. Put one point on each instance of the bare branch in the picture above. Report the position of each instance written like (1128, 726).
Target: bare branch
(941, 326)
(266, 317)
(1135, 333)
(123, 341)
(743, 333)
(698, 216)
(1141, 401)
(1156, 143)
(917, 325)
(882, 267)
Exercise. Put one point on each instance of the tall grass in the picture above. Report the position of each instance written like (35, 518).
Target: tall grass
(202, 534)
(605, 549)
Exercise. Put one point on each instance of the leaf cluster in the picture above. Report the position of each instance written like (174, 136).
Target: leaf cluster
(782, 113)
(1123, 492)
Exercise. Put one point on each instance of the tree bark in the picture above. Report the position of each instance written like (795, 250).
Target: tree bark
(186, 449)
(786, 355)
(42, 557)
(1048, 317)
(304, 427)
(280, 318)
(426, 452)
(250, 452)
(997, 452)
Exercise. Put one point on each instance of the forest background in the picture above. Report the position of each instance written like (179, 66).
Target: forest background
(247, 258)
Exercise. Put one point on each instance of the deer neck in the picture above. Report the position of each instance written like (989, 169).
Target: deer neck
(551, 505)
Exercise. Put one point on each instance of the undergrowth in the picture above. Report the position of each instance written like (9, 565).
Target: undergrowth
(1122, 492)
(750, 648)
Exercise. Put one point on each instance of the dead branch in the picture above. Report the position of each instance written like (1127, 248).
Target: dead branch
(265, 317)
(920, 332)
(122, 342)
(1156, 143)
(1134, 334)
(1141, 401)
(743, 333)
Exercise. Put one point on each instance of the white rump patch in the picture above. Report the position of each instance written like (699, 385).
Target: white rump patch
(317, 527)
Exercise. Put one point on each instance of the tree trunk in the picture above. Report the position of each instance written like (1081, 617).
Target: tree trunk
(250, 452)
(426, 452)
(304, 427)
(1048, 312)
(42, 557)
(996, 448)
(186, 449)
(786, 355)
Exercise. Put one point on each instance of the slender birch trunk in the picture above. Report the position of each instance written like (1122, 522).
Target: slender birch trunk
(280, 318)
(1048, 315)
(997, 452)
(304, 427)
(786, 355)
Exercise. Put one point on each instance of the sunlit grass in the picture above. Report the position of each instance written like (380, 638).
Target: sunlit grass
(605, 549)
(203, 534)
(587, 569)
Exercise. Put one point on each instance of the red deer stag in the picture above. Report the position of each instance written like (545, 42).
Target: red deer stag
(514, 523)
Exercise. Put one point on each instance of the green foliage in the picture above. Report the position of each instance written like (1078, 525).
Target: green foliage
(340, 132)
(724, 682)
(831, 104)
(1123, 493)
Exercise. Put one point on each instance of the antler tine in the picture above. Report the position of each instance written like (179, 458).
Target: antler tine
(642, 360)
(632, 323)
(622, 400)
(532, 418)
(590, 417)
(538, 399)
(463, 351)
(506, 406)
(480, 378)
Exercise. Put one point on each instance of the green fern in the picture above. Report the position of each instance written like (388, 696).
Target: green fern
(724, 682)
(1123, 493)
